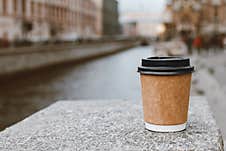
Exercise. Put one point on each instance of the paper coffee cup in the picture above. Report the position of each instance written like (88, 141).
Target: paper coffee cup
(166, 83)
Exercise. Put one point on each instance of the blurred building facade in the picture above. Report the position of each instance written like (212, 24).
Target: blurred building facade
(39, 20)
(196, 16)
(108, 17)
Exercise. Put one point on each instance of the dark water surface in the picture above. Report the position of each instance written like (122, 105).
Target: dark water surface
(108, 78)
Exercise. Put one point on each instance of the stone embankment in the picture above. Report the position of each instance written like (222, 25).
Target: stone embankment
(15, 60)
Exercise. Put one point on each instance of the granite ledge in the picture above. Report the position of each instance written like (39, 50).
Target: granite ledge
(103, 125)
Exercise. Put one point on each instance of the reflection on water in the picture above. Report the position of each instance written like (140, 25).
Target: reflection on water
(112, 77)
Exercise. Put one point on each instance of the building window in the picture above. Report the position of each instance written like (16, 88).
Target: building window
(24, 7)
(15, 6)
(39, 11)
(5, 6)
(32, 9)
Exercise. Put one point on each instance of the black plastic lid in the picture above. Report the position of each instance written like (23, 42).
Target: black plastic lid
(165, 66)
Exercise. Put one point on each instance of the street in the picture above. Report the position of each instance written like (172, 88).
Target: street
(111, 77)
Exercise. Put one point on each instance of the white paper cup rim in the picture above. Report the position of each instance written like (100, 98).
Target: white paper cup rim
(165, 128)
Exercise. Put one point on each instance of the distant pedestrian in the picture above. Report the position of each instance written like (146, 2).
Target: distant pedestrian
(197, 43)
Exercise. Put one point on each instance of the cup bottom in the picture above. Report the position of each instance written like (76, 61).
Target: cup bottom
(165, 128)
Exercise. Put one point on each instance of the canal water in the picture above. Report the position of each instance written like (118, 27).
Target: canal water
(108, 78)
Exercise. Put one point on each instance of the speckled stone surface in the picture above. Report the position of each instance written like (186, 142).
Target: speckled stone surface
(108, 125)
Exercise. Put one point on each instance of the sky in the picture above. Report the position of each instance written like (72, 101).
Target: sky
(141, 10)
(152, 6)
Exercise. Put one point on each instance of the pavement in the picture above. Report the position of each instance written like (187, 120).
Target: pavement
(210, 81)
(102, 125)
